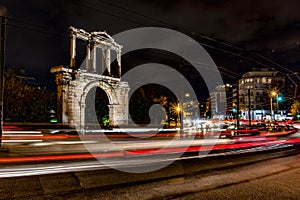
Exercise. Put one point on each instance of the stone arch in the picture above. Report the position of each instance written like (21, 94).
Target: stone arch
(109, 91)
(73, 93)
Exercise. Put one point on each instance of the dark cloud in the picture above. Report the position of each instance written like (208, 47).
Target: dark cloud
(232, 20)
(39, 39)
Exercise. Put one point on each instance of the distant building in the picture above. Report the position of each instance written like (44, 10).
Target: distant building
(219, 99)
(263, 88)
(190, 107)
(204, 110)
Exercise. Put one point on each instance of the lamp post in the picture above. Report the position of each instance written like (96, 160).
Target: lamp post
(237, 105)
(273, 94)
(180, 112)
(2, 56)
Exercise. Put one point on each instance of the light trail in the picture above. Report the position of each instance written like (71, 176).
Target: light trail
(154, 150)
(53, 168)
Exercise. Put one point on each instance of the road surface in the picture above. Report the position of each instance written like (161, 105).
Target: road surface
(272, 179)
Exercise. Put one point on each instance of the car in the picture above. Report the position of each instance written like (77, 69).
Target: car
(243, 130)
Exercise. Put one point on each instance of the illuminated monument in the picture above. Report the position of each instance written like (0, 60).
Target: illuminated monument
(74, 83)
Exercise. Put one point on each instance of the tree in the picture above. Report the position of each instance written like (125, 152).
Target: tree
(139, 106)
(25, 101)
(145, 97)
(295, 109)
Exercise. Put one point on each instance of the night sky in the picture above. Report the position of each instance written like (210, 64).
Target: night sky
(239, 35)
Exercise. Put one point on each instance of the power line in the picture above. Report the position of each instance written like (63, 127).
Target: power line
(154, 19)
(200, 35)
(26, 23)
(273, 62)
(37, 31)
(110, 14)
(21, 24)
(169, 25)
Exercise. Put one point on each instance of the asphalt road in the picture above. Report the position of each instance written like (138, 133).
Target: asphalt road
(202, 185)
(284, 185)
(272, 179)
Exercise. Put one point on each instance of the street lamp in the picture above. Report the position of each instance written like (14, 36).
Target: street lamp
(2, 57)
(273, 94)
(180, 112)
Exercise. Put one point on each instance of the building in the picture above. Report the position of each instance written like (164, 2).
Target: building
(219, 99)
(259, 93)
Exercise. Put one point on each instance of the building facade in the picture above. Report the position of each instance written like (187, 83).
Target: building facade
(218, 101)
(259, 95)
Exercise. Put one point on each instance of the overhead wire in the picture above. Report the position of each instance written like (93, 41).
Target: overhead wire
(159, 21)
(200, 35)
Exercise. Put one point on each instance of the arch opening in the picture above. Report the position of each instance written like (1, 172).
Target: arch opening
(96, 110)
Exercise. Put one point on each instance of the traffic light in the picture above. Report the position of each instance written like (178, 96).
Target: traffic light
(280, 98)
(234, 109)
(240, 114)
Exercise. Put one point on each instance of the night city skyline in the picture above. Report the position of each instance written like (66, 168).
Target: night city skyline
(139, 99)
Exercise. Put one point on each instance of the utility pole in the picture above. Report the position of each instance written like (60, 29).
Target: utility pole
(237, 105)
(249, 107)
(271, 107)
(169, 123)
(181, 123)
(2, 61)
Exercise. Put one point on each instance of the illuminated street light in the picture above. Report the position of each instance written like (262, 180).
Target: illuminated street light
(175, 109)
(178, 109)
(273, 94)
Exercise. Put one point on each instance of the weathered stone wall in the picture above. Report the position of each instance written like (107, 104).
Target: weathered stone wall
(72, 93)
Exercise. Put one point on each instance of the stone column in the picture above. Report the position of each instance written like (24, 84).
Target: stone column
(82, 117)
(102, 61)
(118, 109)
(107, 60)
(119, 63)
(72, 50)
(111, 112)
(94, 58)
(88, 56)
(115, 115)
(63, 79)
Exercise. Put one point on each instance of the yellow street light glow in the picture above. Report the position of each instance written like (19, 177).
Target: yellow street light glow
(175, 108)
(273, 93)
